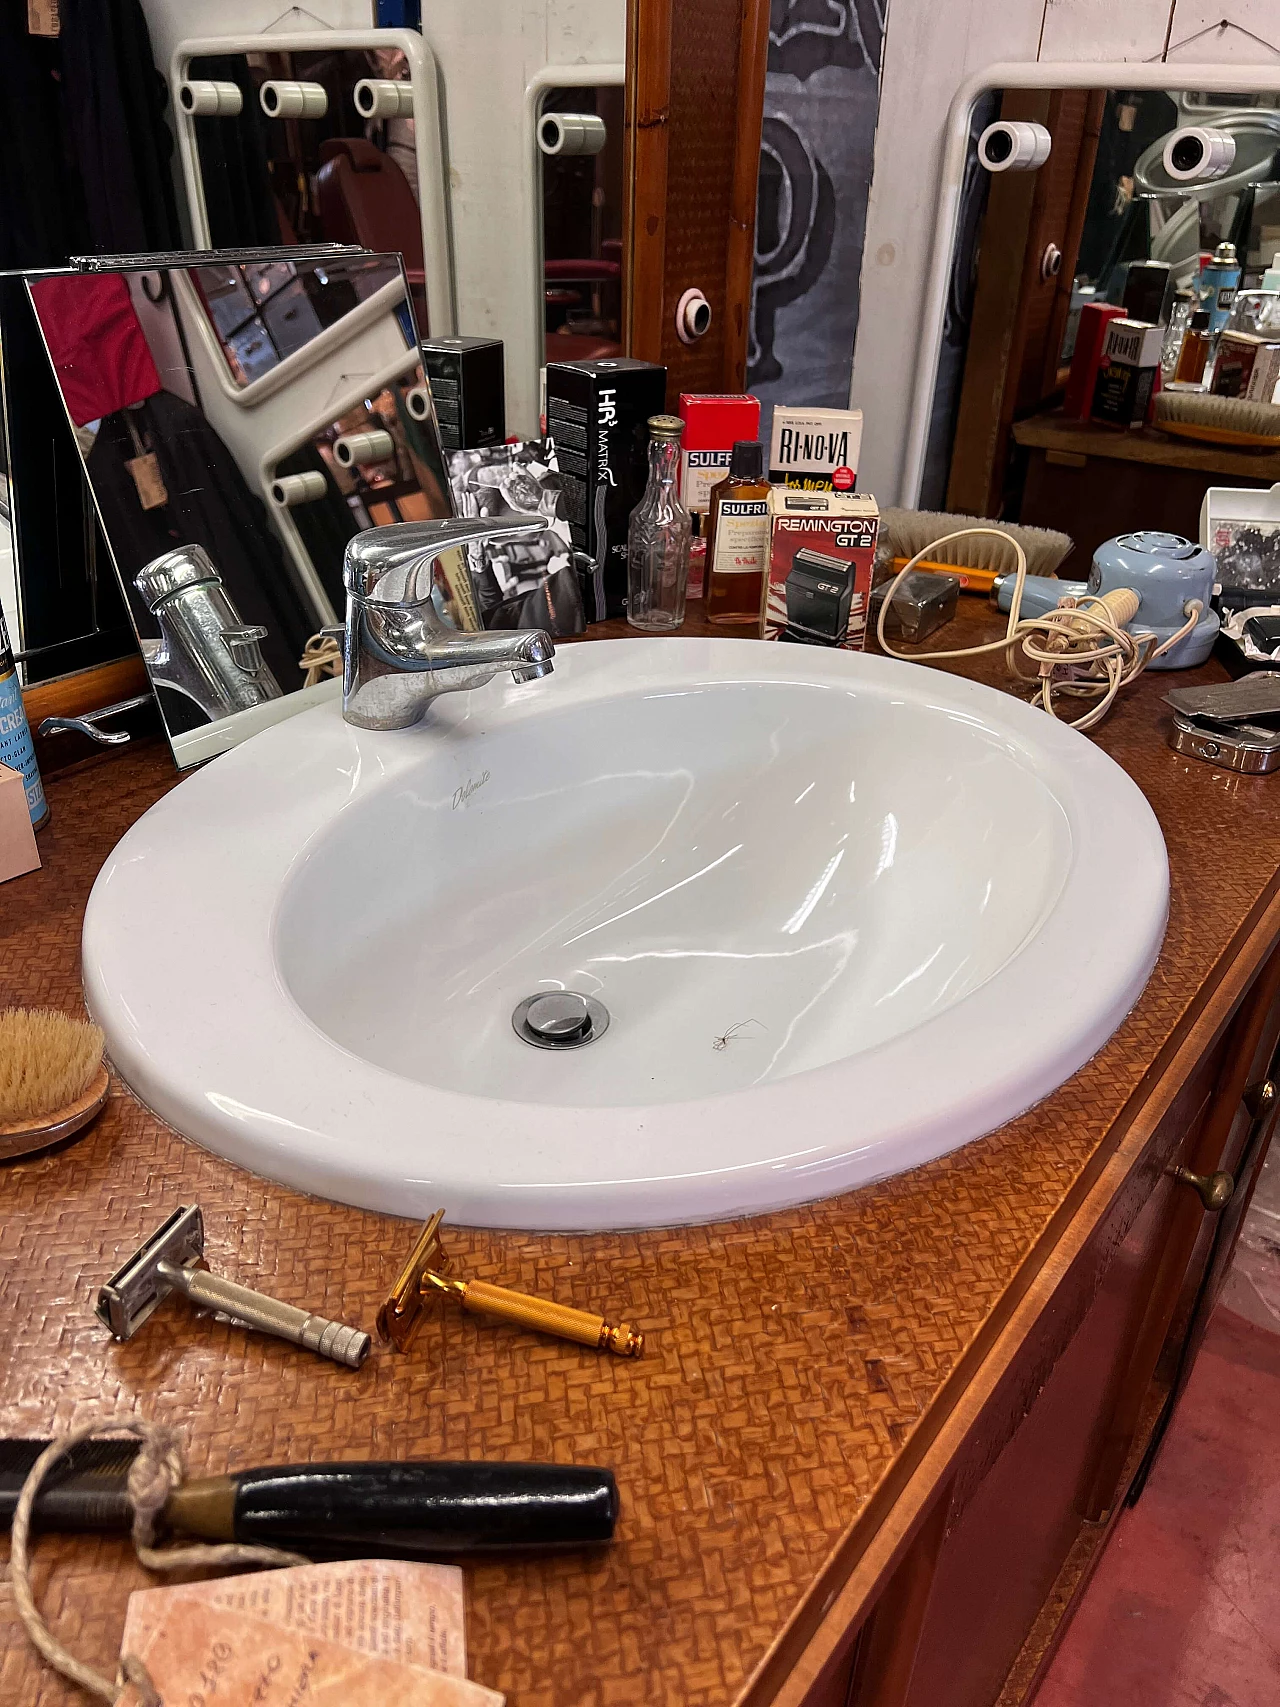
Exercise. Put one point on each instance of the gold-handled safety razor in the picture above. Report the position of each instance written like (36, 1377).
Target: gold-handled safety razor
(425, 1278)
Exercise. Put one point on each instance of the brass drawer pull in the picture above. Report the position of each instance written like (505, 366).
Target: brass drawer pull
(1260, 1100)
(1215, 1190)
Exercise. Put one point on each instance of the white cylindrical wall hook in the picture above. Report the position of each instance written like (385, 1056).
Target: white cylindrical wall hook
(374, 446)
(290, 489)
(1197, 154)
(281, 100)
(571, 133)
(693, 316)
(1014, 145)
(381, 98)
(418, 402)
(210, 100)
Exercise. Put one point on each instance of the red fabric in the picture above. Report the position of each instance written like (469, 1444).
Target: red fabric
(98, 349)
(582, 270)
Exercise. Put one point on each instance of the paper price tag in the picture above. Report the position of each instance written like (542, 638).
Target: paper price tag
(145, 470)
(42, 18)
(362, 1633)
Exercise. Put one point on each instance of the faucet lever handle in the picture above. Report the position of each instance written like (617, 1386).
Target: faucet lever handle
(403, 555)
(242, 643)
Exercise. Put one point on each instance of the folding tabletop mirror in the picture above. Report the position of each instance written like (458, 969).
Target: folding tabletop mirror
(241, 416)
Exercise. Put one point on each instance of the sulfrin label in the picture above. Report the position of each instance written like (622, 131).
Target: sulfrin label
(742, 536)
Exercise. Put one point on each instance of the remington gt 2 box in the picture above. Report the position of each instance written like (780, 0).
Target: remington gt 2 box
(822, 548)
(815, 449)
(597, 418)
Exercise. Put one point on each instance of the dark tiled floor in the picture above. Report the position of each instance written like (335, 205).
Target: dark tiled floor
(1184, 1609)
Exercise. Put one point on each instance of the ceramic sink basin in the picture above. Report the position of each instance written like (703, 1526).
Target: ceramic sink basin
(844, 915)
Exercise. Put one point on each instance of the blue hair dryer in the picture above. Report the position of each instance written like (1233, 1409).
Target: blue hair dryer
(1165, 570)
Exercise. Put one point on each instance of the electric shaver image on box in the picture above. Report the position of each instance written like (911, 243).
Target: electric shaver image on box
(819, 592)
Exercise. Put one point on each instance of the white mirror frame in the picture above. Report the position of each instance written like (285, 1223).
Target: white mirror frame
(1105, 74)
(437, 245)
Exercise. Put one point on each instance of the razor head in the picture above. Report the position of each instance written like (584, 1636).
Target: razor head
(401, 1314)
(135, 1290)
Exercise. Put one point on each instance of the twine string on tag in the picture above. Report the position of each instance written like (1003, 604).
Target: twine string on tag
(158, 1469)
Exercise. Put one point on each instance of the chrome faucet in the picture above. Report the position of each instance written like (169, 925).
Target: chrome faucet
(205, 652)
(398, 654)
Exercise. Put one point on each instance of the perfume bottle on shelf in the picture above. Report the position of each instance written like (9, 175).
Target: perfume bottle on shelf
(1184, 306)
(658, 536)
(1194, 352)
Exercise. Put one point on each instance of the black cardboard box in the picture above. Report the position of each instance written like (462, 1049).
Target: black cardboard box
(468, 388)
(597, 418)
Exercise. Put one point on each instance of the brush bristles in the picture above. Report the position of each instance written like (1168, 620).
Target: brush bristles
(1234, 414)
(47, 1060)
(904, 532)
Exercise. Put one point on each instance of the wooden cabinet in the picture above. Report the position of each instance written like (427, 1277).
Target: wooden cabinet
(971, 1612)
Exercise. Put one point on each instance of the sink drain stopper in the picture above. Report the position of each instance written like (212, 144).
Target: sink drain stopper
(560, 1019)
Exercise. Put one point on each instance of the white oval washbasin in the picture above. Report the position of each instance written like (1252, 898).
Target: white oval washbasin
(844, 915)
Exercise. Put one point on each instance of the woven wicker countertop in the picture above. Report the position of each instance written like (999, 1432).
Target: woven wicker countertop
(790, 1357)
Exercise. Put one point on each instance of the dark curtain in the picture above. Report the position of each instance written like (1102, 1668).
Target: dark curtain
(115, 100)
(42, 211)
(85, 166)
(238, 196)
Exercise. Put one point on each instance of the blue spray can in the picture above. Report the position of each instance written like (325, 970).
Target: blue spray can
(1219, 282)
(16, 749)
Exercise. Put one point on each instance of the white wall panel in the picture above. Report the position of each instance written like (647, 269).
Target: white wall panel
(1197, 34)
(1101, 29)
(171, 21)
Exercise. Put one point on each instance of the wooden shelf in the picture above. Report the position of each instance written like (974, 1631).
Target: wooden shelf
(1057, 434)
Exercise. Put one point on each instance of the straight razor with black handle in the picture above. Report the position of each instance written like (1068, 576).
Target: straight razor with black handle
(415, 1509)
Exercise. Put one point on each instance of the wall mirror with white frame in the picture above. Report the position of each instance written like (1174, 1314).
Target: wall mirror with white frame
(1066, 206)
(442, 142)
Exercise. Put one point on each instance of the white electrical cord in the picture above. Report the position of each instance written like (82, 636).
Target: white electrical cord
(1080, 648)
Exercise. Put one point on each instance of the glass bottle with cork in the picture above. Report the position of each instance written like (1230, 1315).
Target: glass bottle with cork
(658, 536)
(738, 538)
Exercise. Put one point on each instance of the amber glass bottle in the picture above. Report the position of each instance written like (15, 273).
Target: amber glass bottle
(738, 538)
(1195, 350)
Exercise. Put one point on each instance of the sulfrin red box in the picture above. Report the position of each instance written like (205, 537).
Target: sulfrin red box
(712, 426)
(1091, 336)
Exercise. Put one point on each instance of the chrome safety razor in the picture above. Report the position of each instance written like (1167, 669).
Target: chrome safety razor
(172, 1260)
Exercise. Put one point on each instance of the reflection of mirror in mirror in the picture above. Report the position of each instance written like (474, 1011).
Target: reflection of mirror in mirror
(1177, 174)
(580, 142)
(208, 399)
(1158, 206)
(318, 144)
